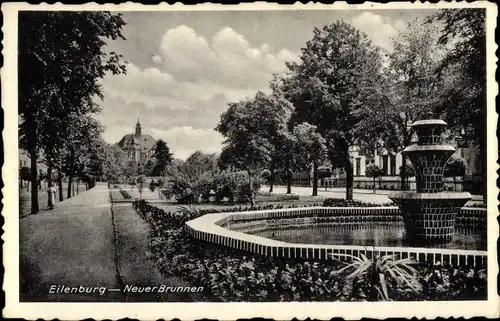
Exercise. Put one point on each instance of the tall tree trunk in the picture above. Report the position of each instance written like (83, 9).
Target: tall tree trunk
(77, 186)
(70, 181)
(402, 173)
(271, 180)
(374, 188)
(288, 180)
(49, 172)
(60, 185)
(33, 177)
(484, 168)
(349, 179)
(315, 179)
(250, 184)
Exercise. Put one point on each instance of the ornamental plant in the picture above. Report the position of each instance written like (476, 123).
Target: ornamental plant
(379, 275)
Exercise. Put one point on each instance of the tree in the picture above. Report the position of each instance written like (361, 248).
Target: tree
(311, 148)
(335, 86)
(199, 163)
(129, 171)
(411, 90)
(463, 102)
(324, 172)
(140, 182)
(83, 151)
(407, 170)
(250, 127)
(149, 168)
(163, 158)
(61, 61)
(375, 172)
(113, 163)
(24, 174)
(456, 166)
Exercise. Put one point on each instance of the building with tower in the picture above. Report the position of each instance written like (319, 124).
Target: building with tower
(137, 147)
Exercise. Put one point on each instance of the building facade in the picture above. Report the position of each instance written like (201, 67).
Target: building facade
(390, 164)
(137, 147)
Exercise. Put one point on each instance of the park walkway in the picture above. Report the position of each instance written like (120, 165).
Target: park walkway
(71, 245)
(75, 244)
(365, 195)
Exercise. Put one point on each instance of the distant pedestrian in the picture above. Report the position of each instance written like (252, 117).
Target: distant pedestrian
(51, 194)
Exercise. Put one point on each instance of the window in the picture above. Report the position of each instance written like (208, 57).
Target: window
(385, 161)
(358, 166)
(393, 165)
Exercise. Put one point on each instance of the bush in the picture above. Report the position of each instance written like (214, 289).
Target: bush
(181, 189)
(234, 186)
(125, 194)
(341, 202)
(473, 184)
(152, 185)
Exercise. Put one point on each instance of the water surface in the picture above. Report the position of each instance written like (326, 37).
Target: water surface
(370, 234)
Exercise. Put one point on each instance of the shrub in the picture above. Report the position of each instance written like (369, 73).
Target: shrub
(341, 202)
(473, 184)
(125, 194)
(234, 186)
(152, 185)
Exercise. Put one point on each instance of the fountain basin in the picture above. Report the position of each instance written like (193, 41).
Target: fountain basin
(240, 231)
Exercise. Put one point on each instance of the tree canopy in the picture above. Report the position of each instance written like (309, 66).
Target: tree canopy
(163, 158)
(336, 87)
(61, 59)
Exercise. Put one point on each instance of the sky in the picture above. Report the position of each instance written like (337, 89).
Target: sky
(183, 67)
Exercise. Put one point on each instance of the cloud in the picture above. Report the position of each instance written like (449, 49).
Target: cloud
(227, 59)
(185, 140)
(181, 96)
(157, 59)
(379, 29)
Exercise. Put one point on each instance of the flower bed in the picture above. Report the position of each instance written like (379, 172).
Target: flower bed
(230, 275)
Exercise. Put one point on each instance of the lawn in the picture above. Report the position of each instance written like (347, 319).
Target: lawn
(137, 267)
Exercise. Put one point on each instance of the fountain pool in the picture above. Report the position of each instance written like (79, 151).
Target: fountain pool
(328, 233)
(373, 234)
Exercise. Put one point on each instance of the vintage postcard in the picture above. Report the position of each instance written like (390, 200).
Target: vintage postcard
(260, 160)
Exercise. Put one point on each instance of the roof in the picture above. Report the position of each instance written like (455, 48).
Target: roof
(145, 142)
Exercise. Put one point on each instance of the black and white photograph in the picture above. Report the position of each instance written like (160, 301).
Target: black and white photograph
(245, 155)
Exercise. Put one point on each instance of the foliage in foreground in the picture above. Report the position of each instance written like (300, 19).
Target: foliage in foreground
(229, 275)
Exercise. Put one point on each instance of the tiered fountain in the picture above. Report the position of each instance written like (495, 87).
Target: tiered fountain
(429, 213)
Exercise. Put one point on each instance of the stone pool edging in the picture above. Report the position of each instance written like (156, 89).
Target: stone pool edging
(211, 228)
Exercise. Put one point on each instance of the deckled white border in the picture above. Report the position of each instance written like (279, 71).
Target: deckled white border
(227, 311)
